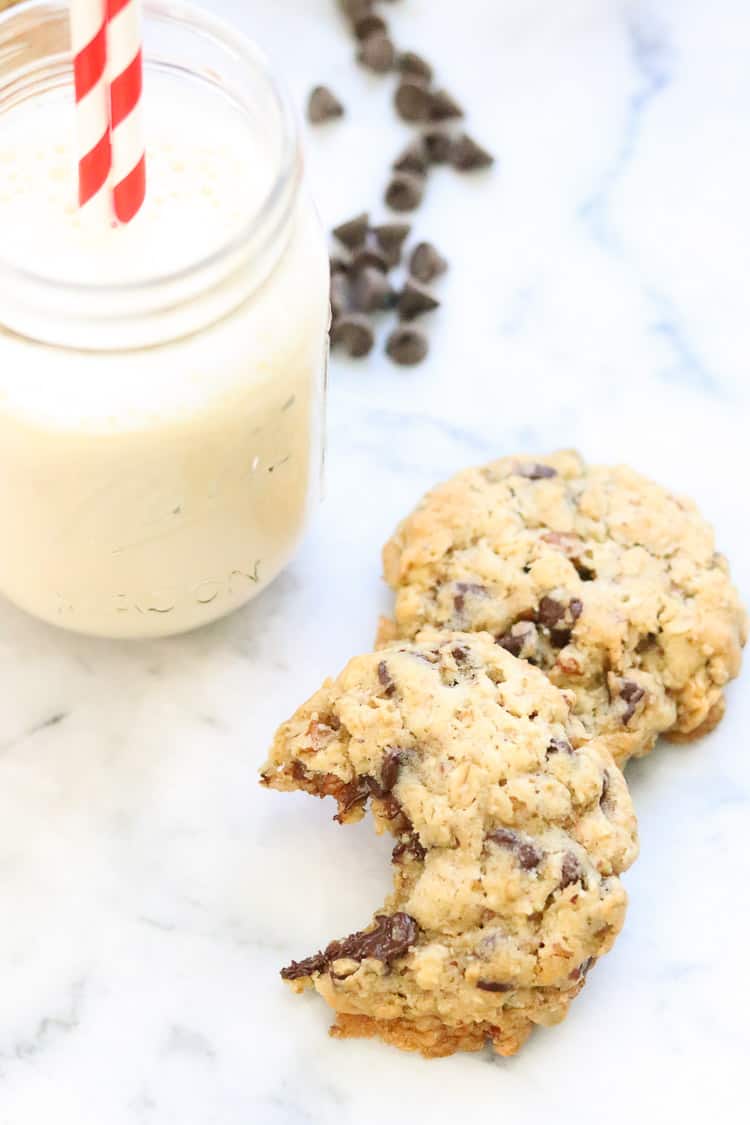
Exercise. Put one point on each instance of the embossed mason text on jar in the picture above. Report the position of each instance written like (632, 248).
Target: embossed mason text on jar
(162, 384)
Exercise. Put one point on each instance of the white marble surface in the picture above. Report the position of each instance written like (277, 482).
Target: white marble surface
(149, 890)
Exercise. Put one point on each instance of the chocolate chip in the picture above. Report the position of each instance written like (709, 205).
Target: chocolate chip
(377, 53)
(444, 107)
(338, 264)
(605, 800)
(407, 346)
(415, 300)
(439, 143)
(560, 637)
(369, 256)
(632, 693)
(413, 101)
(494, 986)
(354, 333)
(467, 156)
(414, 66)
(355, 793)
(576, 608)
(511, 642)
(571, 871)
(460, 654)
(414, 158)
(331, 720)
(353, 232)
(391, 937)
(411, 846)
(558, 746)
(323, 105)
(584, 572)
(385, 679)
(356, 9)
(389, 772)
(535, 472)
(391, 238)
(464, 588)
(528, 855)
(371, 290)
(550, 612)
(297, 969)
(426, 263)
(339, 294)
(368, 25)
(405, 191)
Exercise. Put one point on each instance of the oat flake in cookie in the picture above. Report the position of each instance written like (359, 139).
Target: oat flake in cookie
(605, 580)
(510, 831)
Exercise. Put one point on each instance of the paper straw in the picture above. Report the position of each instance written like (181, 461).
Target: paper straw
(125, 79)
(88, 23)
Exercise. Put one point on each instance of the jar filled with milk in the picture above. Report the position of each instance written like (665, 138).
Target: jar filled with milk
(161, 384)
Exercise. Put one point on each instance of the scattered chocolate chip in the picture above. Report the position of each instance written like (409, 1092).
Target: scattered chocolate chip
(415, 300)
(331, 720)
(356, 9)
(494, 986)
(413, 101)
(368, 257)
(385, 679)
(297, 969)
(370, 24)
(632, 693)
(467, 156)
(407, 346)
(528, 855)
(444, 107)
(560, 637)
(426, 263)
(339, 294)
(392, 763)
(377, 53)
(414, 158)
(411, 846)
(391, 238)
(414, 66)
(439, 143)
(576, 608)
(460, 654)
(558, 746)
(571, 871)
(535, 472)
(355, 793)
(371, 290)
(392, 936)
(550, 612)
(323, 105)
(354, 333)
(353, 232)
(405, 191)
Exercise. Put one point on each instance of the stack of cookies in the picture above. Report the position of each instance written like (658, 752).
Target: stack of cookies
(551, 621)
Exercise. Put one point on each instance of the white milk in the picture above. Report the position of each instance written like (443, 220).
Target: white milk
(146, 491)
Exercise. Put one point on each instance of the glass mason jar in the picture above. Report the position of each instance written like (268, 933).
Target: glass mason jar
(161, 423)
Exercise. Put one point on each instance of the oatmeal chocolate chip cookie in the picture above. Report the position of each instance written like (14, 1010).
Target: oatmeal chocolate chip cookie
(601, 578)
(510, 830)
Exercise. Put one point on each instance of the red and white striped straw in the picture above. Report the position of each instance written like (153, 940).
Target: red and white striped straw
(125, 79)
(89, 40)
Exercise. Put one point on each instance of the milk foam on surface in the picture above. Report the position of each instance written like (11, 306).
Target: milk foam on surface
(146, 491)
(207, 172)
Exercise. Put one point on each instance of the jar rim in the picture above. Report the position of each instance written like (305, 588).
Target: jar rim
(265, 215)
